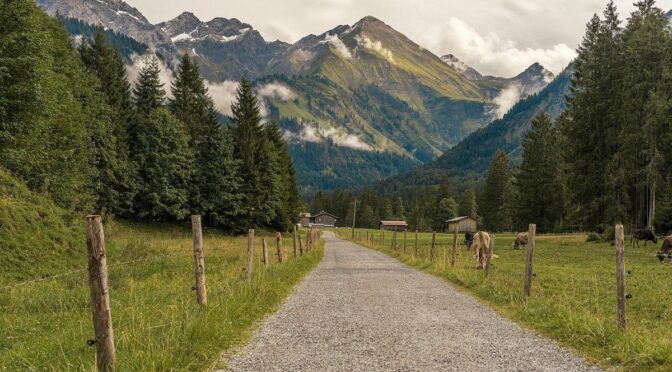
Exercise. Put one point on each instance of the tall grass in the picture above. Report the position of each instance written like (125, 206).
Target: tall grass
(157, 323)
(573, 293)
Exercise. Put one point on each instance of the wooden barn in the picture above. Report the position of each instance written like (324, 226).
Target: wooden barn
(464, 223)
(305, 219)
(323, 219)
(393, 225)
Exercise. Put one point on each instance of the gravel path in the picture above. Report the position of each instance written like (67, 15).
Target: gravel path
(361, 310)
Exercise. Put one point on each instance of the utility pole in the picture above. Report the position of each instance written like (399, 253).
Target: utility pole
(354, 216)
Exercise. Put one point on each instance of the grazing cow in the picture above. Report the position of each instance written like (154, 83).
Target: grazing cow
(643, 234)
(481, 246)
(468, 238)
(521, 239)
(665, 250)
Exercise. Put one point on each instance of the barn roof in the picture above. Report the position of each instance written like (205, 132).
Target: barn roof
(461, 218)
(393, 223)
(324, 213)
(304, 214)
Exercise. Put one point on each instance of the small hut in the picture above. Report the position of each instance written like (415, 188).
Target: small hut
(324, 219)
(463, 223)
(393, 225)
(305, 219)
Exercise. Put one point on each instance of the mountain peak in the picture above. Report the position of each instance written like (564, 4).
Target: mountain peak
(187, 17)
(461, 67)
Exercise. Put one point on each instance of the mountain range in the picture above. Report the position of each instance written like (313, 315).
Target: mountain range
(365, 92)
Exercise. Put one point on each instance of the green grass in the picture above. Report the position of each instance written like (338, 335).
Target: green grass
(157, 323)
(573, 294)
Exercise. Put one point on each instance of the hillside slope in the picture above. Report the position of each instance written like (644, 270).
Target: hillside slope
(37, 237)
(470, 158)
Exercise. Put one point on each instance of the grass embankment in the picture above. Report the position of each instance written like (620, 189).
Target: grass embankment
(573, 294)
(157, 323)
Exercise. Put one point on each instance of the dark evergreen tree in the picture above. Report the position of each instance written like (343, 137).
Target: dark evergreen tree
(496, 179)
(148, 93)
(215, 184)
(468, 204)
(287, 212)
(539, 180)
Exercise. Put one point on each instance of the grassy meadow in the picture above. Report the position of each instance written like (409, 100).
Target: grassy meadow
(157, 323)
(573, 293)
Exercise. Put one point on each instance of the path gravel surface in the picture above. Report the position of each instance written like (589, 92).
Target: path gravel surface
(361, 310)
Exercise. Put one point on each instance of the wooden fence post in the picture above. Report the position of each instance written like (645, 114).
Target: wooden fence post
(415, 254)
(367, 237)
(431, 251)
(294, 242)
(620, 277)
(382, 236)
(199, 260)
(394, 239)
(250, 255)
(278, 246)
(264, 252)
(530, 256)
(308, 237)
(100, 295)
(404, 241)
(300, 245)
(453, 256)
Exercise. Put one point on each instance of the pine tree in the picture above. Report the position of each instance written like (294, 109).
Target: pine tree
(539, 181)
(399, 210)
(493, 193)
(468, 204)
(214, 193)
(507, 215)
(148, 93)
(118, 174)
(447, 209)
(288, 192)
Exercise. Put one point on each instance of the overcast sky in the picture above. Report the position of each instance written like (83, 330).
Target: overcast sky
(499, 37)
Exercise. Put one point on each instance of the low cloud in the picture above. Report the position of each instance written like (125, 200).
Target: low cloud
(492, 54)
(315, 134)
(276, 90)
(223, 94)
(338, 45)
(506, 99)
(376, 46)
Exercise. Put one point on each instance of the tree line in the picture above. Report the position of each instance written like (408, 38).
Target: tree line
(73, 128)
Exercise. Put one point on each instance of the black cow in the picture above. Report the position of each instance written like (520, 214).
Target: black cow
(468, 238)
(643, 234)
(665, 250)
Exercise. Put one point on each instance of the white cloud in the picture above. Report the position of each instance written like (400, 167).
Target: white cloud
(276, 90)
(313, 133)
(223, 94)
(506, 99)
(377, 46)
(338, 45)
(491, 53)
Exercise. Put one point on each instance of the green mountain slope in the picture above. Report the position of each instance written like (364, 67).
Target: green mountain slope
(469, 159)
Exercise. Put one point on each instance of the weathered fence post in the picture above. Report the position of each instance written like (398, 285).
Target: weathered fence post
(620, 277)
(415, 254)
(530, 256)
(100, 295)
(294, 242)
(453, 256)
(278, 246)
(394, 239)
(264, 252)
(382, 236)
(250, 255)
(300, 245)
(367, 237)
(199, 260)
(431, 250)
(404, 241)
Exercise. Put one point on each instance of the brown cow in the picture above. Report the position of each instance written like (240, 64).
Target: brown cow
(481, 246)
(521, 239)
(665, 250)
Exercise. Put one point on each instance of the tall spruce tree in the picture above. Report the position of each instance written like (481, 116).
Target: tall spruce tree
(493, 193)
(160, 148)
(468, 204)
(539, 180)
(118, 175)
(287, 212)
(215, 183)
(259, 161)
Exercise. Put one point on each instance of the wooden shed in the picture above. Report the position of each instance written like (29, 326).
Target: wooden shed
(464, 223)
(305, 219)
(393, 225)
(324, 219)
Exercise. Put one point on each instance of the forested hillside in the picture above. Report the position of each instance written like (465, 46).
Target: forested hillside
(127, 46)
(74, 130)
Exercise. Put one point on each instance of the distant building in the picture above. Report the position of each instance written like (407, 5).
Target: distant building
(464, 223)
(322, 219)
(304, 219)
(393, 225)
